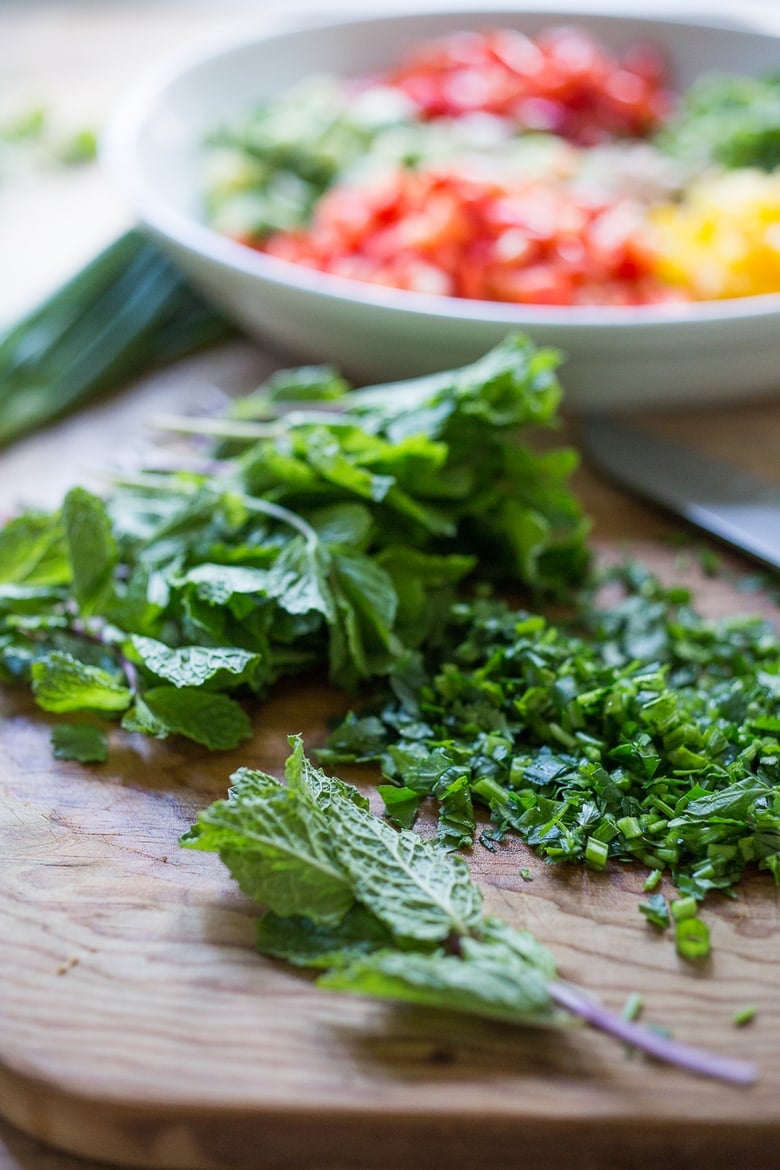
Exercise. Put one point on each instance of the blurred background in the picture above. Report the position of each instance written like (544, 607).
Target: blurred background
(64, 64)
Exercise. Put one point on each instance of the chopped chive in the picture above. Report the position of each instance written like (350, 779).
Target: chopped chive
(596, 853)
(744, 1015)
(683, 908)
(526, 874)
(692, 939)
(629, 827)
(652, 881)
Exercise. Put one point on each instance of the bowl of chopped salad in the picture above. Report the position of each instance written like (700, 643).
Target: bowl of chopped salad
(395, 194)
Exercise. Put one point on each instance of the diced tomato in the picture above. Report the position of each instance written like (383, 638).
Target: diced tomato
(446, 234)
(563, 82)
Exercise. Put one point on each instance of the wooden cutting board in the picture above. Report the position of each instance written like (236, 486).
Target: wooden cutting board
(137, 1024)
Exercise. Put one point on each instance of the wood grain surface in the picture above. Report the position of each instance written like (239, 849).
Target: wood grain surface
(138, 1025)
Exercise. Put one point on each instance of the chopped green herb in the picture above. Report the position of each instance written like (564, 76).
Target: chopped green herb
(596, 853)
(526, 874)
(683, 908)
(744, 1015)
(692, 938)
(726, 120)
(638, 732)
(656, 911)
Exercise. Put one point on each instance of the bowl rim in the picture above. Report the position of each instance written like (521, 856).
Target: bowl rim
(120, 154)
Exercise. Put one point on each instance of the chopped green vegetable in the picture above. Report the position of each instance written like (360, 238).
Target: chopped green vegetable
(645, 732)
(526, 874)
(388, 914)
(744, 1015)
(692, 938)
(596, 853)
(683, 908)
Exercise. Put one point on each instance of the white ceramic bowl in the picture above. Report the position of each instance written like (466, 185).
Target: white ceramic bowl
(620, 357)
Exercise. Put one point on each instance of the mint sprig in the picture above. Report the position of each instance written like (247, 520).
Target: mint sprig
(391, 915)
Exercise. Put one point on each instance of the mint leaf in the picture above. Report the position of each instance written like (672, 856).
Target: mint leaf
(33, 552)
(214, 667)
(308, 944)
(79, 741)
(211, 719)
(278, 851)
(61, 683)
(91, 548)
(484, 980)
(345, 525)
(418, 891)
(401, 804)
(140, 718)
(299, 579)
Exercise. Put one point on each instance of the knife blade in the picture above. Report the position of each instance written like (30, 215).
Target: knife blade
(733, 504)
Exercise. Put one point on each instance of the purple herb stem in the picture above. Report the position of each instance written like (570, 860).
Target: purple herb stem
(693, 1060)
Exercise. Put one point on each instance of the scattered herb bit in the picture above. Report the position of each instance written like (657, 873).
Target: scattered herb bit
(652, 881)
(682, 908)
(633, 1007)
(526, 874)
(692, 939)
(336, 539)
(656, 911)
(744, 1015)
(79, 741)
(29, 124)
(388, 914)
(77, 148)
(709, 562)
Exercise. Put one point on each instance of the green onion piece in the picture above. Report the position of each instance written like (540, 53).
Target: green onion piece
(692, 938)
(526, 874)
(491, 791)
(126, 312)
(596, 853)
(629, 827)
(745, 1015)
(683, 908)
(652, 881)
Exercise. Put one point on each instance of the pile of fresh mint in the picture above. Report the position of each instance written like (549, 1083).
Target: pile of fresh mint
(334, 540)
(359, 535)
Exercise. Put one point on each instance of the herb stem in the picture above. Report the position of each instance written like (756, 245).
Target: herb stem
(684, 1056)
